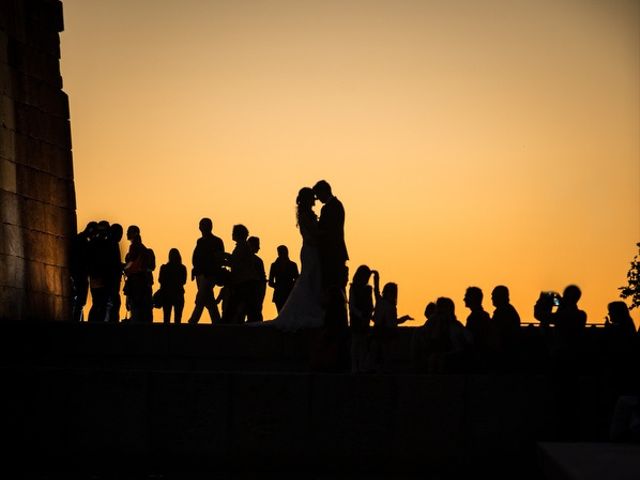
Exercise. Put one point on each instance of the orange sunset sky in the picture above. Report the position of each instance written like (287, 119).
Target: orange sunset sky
(472, 142)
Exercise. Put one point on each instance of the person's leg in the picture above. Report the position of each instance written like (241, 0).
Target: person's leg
(178, 308)
(116, 303)
(252, 300)
(201, 299)
(166, 313)
(80, 293)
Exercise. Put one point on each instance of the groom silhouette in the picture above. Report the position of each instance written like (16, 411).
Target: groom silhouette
(333, 256)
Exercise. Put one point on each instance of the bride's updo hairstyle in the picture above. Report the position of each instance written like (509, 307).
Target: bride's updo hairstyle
(305, 200)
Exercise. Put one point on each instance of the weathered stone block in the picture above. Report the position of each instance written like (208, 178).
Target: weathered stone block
(7, 144)
(12, 300)
(61, 308)
(8, 270)
(6, 80)
(54, 280)
(61, 250)
(7, 112)
(36, 278)
(9, 212)
(32, 214)
(62, 193)
(56, 220)
(13, 242)
(32, 248)
(7, 176)
(60, 162)
(34, 184)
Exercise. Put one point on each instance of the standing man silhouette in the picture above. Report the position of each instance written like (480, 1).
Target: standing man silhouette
(333, 256)
(208, 258)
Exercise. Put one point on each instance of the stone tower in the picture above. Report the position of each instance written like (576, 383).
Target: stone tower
(37, 198)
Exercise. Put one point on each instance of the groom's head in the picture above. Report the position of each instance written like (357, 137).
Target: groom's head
(322, 190)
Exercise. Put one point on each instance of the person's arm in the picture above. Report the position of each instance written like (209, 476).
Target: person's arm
(162, 275)
(183, 275)
(404, 318)
(296, 274)
(272, 277)
(376, 284)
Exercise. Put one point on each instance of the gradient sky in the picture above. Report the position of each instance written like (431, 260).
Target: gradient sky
(471, 142)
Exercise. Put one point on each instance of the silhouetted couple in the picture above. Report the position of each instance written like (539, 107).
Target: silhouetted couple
(318, 298)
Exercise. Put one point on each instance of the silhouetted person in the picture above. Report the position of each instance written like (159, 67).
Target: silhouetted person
(333, 256)
(361, 308)
(569, 324)
(208, 260)
(429, 311)
(254, 311)
(79, 270)
(622, 347)
(445, 339)
(421, 341)
(566, 357)
(115, 273)
(478, 324)
(172, 278)
(385, 323)
(242, 277)
(619, 319)
(139, 266)
(282, 276)
(100, 272)
(505, 330)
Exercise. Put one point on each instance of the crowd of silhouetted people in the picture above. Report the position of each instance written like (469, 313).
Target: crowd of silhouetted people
(97, 267)
(443, 344)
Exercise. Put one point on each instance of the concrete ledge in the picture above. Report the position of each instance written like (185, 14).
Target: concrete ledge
(590, 461)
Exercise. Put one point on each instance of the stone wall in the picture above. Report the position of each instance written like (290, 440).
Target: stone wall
(95, 397)
(37, 198)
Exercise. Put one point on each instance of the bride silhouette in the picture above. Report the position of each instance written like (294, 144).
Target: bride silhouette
(303, 308)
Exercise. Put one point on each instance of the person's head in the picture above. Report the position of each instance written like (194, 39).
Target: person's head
(361, 277)
(283, 251)
(205, 225)
(430, 310)
(618, 311)
(390, 293)
(102, 231)
(322, 191)
(174, 256)
(254, 244)
(239, 233)
(571, 295)
(305, 202)
(446, 307)
(116, 232)
(90, 228)
(500, 296)
(305, 199)
(473, 298)
(133, 232)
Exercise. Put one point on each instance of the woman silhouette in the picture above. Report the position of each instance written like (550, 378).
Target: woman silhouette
(303, 308)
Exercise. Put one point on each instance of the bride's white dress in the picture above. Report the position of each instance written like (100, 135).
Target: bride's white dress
(303, 308)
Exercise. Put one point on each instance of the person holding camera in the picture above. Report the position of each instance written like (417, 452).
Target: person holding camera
(568, 323)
